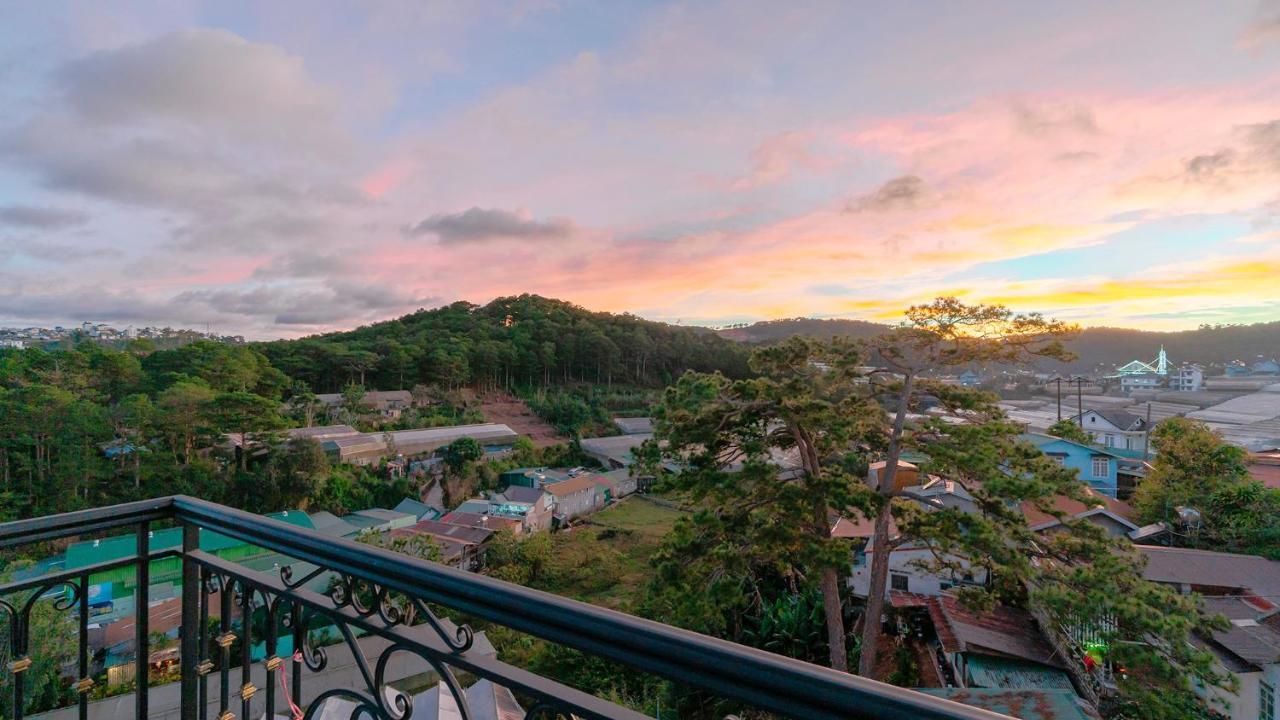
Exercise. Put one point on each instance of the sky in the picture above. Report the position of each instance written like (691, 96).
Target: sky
(285, 168)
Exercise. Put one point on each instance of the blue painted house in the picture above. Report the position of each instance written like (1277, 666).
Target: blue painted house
(1266, 367)
(1094, 465)
(1236, 370)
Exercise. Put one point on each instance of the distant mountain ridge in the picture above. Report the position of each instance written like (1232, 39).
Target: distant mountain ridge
(1094, 346)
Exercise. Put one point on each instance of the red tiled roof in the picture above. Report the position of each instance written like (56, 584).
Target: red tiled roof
(457, 533)
(901, 599)
(1072, 508)
(1001, 631)
(1265, 470)
(568, 487)
(858, 526)
(476, 520)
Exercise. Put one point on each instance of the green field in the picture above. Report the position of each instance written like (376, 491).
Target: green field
(607, 561)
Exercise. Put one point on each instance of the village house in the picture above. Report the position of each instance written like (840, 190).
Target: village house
(998, 648)
(912, 566)
(1112, 515)
(1187, 378)
(1246, 590)
(461, 546)
(1115, 429)
(419, 509)
(1096, 466)
(1129, 384)
(575, 497)
(616, 451)
(907, 475)
(493, 522)
(387, 403)
(534, 505)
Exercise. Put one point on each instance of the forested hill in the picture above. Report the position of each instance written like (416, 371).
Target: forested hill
(524, 340)
(1094, 346)
(1217, 345)
(770, 331)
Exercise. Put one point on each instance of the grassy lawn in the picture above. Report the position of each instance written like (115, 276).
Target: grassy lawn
(607, 562)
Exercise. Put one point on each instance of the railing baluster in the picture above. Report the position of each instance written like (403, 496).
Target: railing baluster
(271, 662)
(192, 631)
(246, 649)
(789, 688)
(204, 645)
(295, 615)
(224, 643)
(142, 595)
(17, 659)
(86, 683)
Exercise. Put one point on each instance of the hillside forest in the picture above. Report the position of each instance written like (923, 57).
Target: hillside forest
(1094, 347)
(88, 425)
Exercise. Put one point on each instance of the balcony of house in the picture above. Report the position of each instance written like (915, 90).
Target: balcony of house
(311, 626)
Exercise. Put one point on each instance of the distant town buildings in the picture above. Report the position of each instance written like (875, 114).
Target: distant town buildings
(387, 403)
(15, 337)
(345, 444)
(1187, 378)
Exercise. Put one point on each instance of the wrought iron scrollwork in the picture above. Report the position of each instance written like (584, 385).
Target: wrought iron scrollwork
(20, 616)
(369, 599)
(463, 636)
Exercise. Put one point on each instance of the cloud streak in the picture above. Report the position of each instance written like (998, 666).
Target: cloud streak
(43, 218)
(704, 163)
(482, 224)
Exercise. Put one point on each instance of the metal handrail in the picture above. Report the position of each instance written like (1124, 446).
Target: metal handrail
(771, 682)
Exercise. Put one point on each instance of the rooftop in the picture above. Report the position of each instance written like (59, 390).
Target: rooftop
(1208, 569)
(1024, 704)
(634, 425)
(520, 494)
(571, 486)
(1003, 631)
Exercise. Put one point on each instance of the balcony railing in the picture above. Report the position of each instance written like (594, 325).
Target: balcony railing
(373, 593)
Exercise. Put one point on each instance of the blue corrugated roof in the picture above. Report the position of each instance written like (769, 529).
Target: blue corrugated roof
(1025, 704)
(993, 672)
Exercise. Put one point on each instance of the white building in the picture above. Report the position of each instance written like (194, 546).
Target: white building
(910, 571)
(1244, 589)
(1144, 381)
(1114, 428)
(1187, 378)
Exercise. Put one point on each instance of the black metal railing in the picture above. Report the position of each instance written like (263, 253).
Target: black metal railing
(380, 605)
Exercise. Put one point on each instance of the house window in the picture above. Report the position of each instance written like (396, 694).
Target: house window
(1060, 459)
(1101, 466)
(1266, 701)
(1111, 440)
(898, 581)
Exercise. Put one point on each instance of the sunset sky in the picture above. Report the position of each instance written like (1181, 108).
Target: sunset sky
(282, 168)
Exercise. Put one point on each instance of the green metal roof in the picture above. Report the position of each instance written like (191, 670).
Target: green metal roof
(1021, 704)
(91, 552)
(992, 672)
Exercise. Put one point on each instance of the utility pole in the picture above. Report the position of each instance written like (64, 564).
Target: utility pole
(1146, 436)
(1059, 381)
(1080, 401)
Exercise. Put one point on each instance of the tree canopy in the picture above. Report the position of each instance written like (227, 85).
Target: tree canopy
(524, 340)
